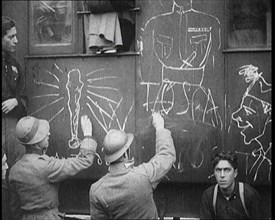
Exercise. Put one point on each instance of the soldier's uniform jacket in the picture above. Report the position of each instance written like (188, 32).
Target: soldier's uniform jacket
(34, 182)
(127, 192)
(13, 86)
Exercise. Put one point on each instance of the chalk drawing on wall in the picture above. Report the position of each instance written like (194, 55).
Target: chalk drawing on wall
(74, 87)
(103, 101)
(107, 117)
(173, 65)
(253, 117)
(178, 56)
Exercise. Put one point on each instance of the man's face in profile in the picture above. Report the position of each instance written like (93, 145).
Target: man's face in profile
(251, 118)
(9, 40)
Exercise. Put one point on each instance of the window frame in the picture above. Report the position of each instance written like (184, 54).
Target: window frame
(77, 47)
(227, 48)
(53, 49)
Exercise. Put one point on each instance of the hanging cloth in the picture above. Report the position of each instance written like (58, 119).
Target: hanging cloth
(104, 31)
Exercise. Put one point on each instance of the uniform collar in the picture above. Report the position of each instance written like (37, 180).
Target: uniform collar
(121, 167)
(5, 55)
(8, 57)
(33, 150)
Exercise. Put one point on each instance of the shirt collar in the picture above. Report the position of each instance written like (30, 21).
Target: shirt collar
(235, 192)
(121, 167)
(7, 57)
(181, 9)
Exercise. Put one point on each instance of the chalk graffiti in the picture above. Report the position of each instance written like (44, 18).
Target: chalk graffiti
(107, 116)
(177, 57)
(74, 87)
(253, 117)
(173, 63)
(102, 101)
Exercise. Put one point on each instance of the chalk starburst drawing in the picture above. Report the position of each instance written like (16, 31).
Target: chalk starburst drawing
(96, 90)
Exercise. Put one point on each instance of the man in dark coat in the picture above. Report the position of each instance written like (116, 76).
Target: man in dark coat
(14, 99)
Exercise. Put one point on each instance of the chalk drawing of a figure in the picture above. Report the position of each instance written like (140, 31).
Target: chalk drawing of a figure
(175, 58)
(178, 50)
(254, 117)
(74, 87)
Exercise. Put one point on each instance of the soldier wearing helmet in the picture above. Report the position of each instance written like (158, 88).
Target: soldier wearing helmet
(34, 178)
(126, 191)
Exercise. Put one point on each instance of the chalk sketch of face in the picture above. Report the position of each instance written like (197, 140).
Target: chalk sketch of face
(251, 118)
(254, 112)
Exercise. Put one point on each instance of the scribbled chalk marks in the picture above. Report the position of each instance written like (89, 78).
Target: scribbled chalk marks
(173, 67)
(108, 106)
(55, 85)
(102, 99)
(194, 162)
(253, 117)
